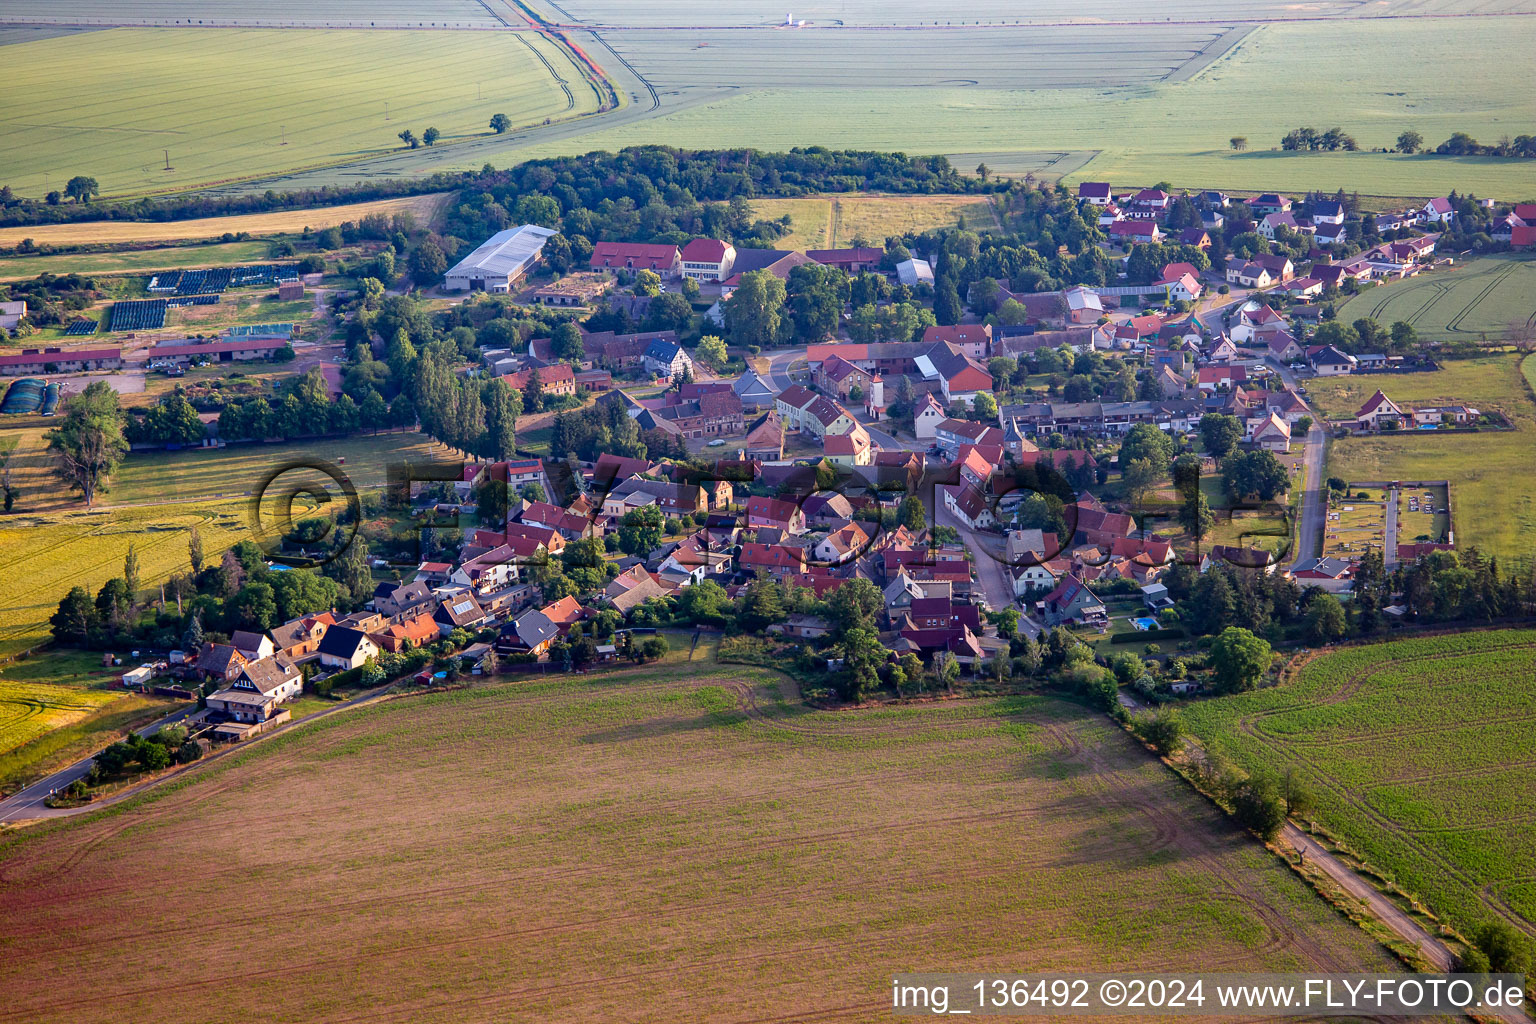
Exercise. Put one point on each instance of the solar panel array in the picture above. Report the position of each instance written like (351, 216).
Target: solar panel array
(192, 300)
(138, 315)
(217, 279)
(82, 326)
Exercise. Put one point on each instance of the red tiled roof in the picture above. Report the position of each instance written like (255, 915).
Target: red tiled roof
(704, 250)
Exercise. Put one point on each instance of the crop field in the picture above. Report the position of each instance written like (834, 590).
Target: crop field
(1339, 71)
(457, 13)
(425, 209)
(1491, 473)
(835, 221)
(1478, 300)
(659, 840)
(30, 710)
(111, 103)
(1424, 755)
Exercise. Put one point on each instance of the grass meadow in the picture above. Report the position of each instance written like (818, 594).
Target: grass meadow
(1492, 474)
(643, 847)
(230, 104)
(1477, 300)
(830, 222)
(1422, 754)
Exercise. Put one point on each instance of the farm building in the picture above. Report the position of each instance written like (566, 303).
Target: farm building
(500, 262)
(663, 260)
(233, 350)
(60, 360)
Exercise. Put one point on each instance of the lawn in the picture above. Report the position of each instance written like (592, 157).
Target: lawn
(836, 221)
(1476, 300)
(424, 209)
(661, 838)
(1492, 474)
(17, 268)
(112, 103)
(1422, 753)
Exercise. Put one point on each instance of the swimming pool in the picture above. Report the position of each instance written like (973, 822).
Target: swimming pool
(1144, 623)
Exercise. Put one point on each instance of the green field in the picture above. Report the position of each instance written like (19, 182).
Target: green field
(1162, 126)
(833, 222)
(1423, 753)
(661, 838)
(233, 103)
(1477, 300)
(1492, 474)
(18, 268)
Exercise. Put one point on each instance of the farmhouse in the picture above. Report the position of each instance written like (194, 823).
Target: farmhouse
(60, 360)
(500, 261)
(558, 379)
(851, 261)
(662, 260)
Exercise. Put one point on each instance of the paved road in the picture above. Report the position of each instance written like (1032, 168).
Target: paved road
(29, 803)
(1314, 500)
(991, 575)
(1389, 554)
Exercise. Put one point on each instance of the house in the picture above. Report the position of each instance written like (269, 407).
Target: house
(1095, 193)
(256, 691)
(802, 627)
(1280, 267)
(967, 504)
(1302, 287)
(1251, 319)
(1328, 361)
(774, 514)
(673, 499)
(708, 259)
(343, 647)
(1182, 281)
(31, 361)
(1073, 602)
(974, 340)
(1333, 275)
(847, 541)
(927, 417)
(1329, 235)
(1332, 574)
(851, 449)
(754, 391)
(394, 599)
(837, 376)
(1215, 200)
(765, 438)
(253, 646)
(1155, 597)
(530, 633)
(1273, 434)
(662, 260)
(1379, 411)
(219, 661)
(1438, 211)
(301, 636)
(500, 261)
(1152, 198)
(667, 358)
(1327, 211)
(1130, 232)
(12, 313)
(1271, 225)
(1195, 238)
(558, 379)
(778, 560)
(1268, 203)
(413, 632)
(1083, 305)
(1435, 415)
(461, 611)
(1220, 378)
(1248, 273)
(564, 613)
(950, 434)
(852, 261)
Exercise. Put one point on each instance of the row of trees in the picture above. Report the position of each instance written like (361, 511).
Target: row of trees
(1463, 144)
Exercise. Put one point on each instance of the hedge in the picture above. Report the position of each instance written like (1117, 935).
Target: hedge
(1145, 634)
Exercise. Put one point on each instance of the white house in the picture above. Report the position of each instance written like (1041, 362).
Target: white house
(1438, 211)
(708, 259)
(344, 648)
(1379, 410)
(925, 422)
(1252, 319)
(11, 314)
(1273, 434)
(967, 505)
(1328, 361)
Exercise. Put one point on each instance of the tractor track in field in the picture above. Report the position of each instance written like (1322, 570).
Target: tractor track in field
(1285, 751)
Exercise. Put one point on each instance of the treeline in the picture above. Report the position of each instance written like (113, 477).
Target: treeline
(1331, 140)
(607, 427)
(1463, 144)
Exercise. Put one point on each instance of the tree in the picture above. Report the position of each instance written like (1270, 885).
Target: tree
(946, 301)
(152, 756)
(654, 648)
(912, 514)
(1220, 434)
(982, 170)
(1296, 794)
(1238, 142)
(1254, 474)
(113, 601)
(195, 548)
(430, 136)
(131, 571)
(192, 639)
(89, 444)
(985, 405)
(255, 606)
(1507, 950)
(1163, 730)
(1257, 806)
(762, 605)
(754, 310)
(1325, 619)
(533, 393)
(428, 262)
(500, 123)
(409, 138)
(1410, 141)
(81, 188)
(862, 657)
(373, 414)
(566, 342)
(854, 605)
(1146, 441)
(641, 529)
(1139, 477)
(647, 283)
(502, 406)
(75, 618)
(711, 350)
(1239, 659)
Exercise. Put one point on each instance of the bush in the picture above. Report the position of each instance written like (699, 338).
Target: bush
(1257, 806)
(1163, 730)
(1507, 950)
